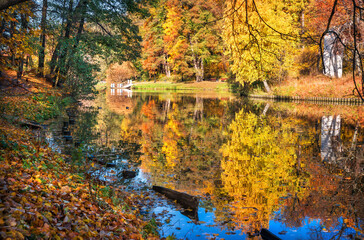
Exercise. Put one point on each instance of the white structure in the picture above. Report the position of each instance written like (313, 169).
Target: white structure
(124, 85)
(333, 59)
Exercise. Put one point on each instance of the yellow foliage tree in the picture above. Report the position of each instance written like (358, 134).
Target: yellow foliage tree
(258, 168)
(18, 35)
(260, 37)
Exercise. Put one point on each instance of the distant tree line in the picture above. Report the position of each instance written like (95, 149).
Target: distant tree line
(250, 42)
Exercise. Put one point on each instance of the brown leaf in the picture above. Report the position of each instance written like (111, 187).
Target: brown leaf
(66, 189)
(12, 222)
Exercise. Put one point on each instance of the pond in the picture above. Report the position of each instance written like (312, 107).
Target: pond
(295, 169)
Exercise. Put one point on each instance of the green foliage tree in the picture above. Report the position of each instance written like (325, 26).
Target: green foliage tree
(90, 29)
(41, 58)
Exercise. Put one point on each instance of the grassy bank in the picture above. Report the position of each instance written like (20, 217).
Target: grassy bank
(314, 86)
(190, 87)
(45, 196)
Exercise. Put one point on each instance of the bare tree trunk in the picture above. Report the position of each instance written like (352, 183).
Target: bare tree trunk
(202, 73)
(166, 66)
(42, 39)
(266, 86)
(199, 69)
(198, 64)
(24, 25)
(19, 74)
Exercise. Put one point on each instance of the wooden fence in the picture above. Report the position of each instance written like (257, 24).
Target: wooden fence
(320, 100)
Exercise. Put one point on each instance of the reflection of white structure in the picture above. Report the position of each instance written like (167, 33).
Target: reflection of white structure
(128, 92)
(330, 138)
(332, 56)
(121, 92)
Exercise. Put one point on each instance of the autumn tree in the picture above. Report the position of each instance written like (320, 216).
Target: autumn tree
(121, 72)
(203, 33)
(181, 38)
(154, 58)
(260, 37)
(17, 38)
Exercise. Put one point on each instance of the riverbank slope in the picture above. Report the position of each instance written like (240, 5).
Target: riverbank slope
(43, 196)
(314, 86)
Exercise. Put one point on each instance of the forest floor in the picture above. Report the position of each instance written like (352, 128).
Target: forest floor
(42, 195)
(315, 86)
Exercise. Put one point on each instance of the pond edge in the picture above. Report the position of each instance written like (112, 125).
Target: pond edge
(327, 100)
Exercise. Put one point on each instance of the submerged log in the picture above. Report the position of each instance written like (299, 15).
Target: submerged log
(267, 235)
(31, 124)
(127, 174)
(187, 201)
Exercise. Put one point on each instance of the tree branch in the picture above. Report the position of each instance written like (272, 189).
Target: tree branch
(4, 4)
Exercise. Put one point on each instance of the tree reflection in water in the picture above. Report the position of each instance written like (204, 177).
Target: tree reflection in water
(251, 168)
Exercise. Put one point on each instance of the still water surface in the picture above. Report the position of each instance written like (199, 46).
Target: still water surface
(293, 168)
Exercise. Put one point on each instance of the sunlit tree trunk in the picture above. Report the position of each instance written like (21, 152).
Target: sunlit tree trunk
(166, 67)
(266, 86)
(198, 65)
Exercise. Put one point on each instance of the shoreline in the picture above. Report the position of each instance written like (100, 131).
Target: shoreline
(322, 100)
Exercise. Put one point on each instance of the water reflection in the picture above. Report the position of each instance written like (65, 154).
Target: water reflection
(330, 138)
(260, 168)
(253, 165)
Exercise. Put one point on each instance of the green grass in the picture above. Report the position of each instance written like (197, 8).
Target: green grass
(190, 87)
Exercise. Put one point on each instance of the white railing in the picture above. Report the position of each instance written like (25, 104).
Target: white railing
(126, 84)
